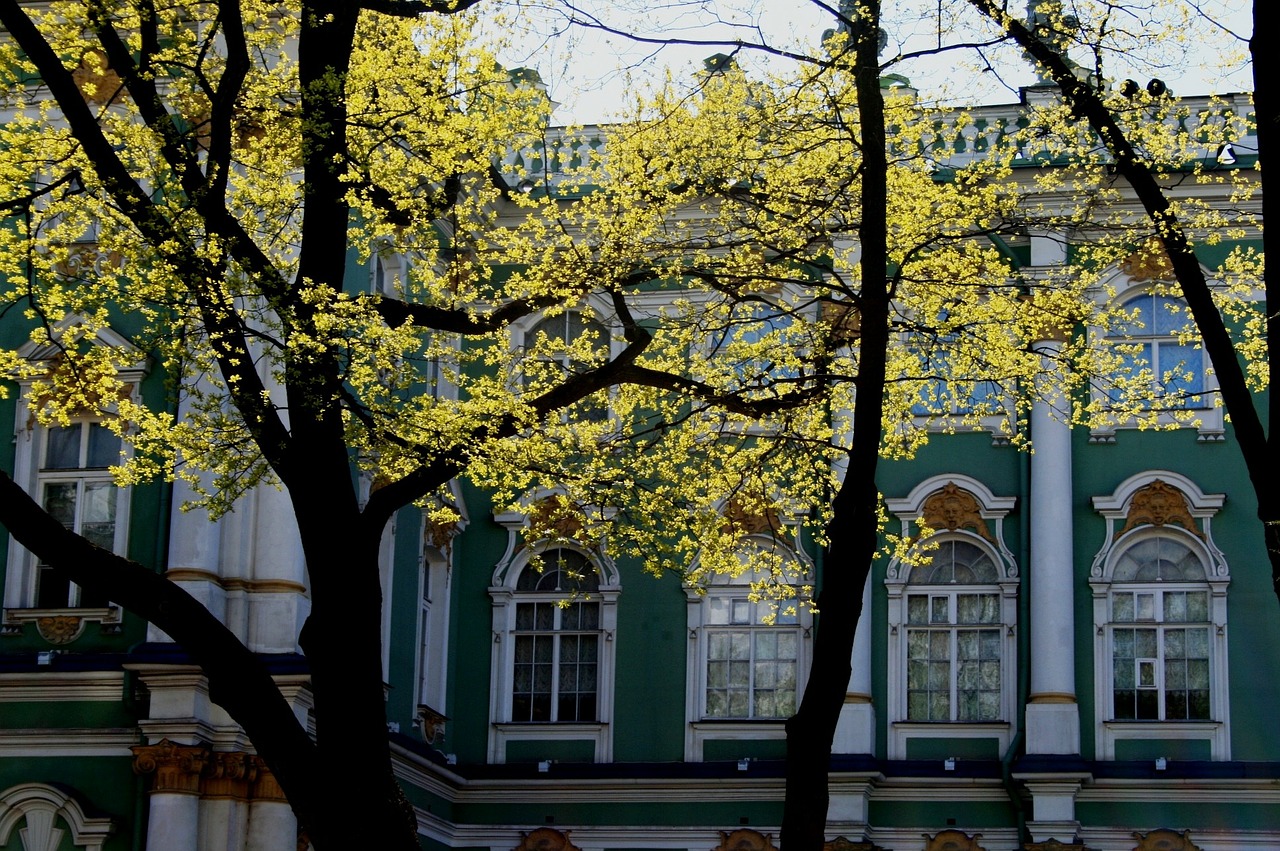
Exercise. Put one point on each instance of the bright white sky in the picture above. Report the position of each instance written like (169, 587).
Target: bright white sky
(591, 74)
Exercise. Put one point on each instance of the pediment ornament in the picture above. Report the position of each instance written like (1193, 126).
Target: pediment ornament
(1159, 504)
(1165, 839)
(951, 508)
(953, 840)
(546, 839)
(745, 839)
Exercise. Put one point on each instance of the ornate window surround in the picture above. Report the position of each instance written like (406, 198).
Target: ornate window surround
(1132, 277)
(40, 806)
(64, 624)
(1138, 510)
(700, 729)
(966, 511)
(502, 669)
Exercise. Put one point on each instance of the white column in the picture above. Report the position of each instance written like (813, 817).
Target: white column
(277, 606)
(1053, 718)
(272, 824)
(224, 804)
(174, 819)
(856, 729)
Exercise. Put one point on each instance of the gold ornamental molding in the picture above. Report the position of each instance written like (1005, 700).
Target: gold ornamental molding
(228, 583)
(265, 786)
(953, 840)
(1149, 263)
(97, 82)
(748, 521)
(745, 839)
(1052, 697)
(952, 507)
(228, 775)
(841, 843)
(60, 629)
(174, 768)
(1165, 839)
(1159, 504)
(546, 839)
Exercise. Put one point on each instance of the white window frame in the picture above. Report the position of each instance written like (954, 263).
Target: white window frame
(701, 728)
(502, 728)
(1206, 418)
(594, 308)
(1115, 510)
(910, 510)
(30, 440)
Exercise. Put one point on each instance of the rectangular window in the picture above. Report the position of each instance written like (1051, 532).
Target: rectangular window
(1160, 671)
(75, 487)
(557, 658)
(953, 658)
(751, 669)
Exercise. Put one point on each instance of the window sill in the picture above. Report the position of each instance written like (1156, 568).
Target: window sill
(1214, 732)
(61, 626)
(900, 732)
(596, 732)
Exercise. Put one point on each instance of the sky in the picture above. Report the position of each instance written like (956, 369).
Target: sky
(592, 74)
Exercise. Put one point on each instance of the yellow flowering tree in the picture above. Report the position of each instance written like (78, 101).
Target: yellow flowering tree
(1141, 134)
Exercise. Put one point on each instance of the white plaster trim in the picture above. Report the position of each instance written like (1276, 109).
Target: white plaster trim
(61, 686)
(67, 741)
(36, 802)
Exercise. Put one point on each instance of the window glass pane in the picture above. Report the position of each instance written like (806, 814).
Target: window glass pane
(1146, 607)
(917, 609)
(1122, 607)
(62, 447)
(1197, 606)
(940, 610)
(98, 514)
(104, 447)
(718, 610)
(60, 501)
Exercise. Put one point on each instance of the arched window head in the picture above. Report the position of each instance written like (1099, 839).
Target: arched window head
(956, 561)
(562, 570)
(1159, 559)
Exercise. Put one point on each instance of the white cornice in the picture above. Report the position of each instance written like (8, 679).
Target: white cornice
(68, 741)
(61, 686)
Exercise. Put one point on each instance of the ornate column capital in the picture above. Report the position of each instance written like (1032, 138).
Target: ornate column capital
(175, 768)
(228, 775)
(265, 785)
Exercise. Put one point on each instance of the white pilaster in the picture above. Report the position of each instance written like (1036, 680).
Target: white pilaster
(856, 729)
(1053, 718)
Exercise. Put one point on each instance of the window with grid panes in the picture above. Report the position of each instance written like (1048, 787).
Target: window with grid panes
(1152, 341)
(752, 665)
(955, 636)
(554, 363)
(1160, 639)
(75, 487)
(557, 641)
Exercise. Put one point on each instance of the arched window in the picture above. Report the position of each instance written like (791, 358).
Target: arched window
(560, 346)
(1160, 605)
(555, 614)
(955, 636)
(557, 640)
(952, 619)
(1151, 344)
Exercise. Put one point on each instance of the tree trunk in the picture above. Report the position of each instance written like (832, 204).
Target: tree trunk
(854, 527)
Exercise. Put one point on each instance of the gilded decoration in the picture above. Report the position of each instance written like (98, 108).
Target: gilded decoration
(1054, 845)
(431, 723)
(1149, 263)
(228, 775)
(844, 320)
(951, 508)
(1165, 839)
(841, 843)
(86, 260)
(557, 517)
(745, 839)
(265, 786)
(175, 768)
(60, 629)
(953, 840)
(749, 521)
(546, 839)
(1159, 504)
(97, 82)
